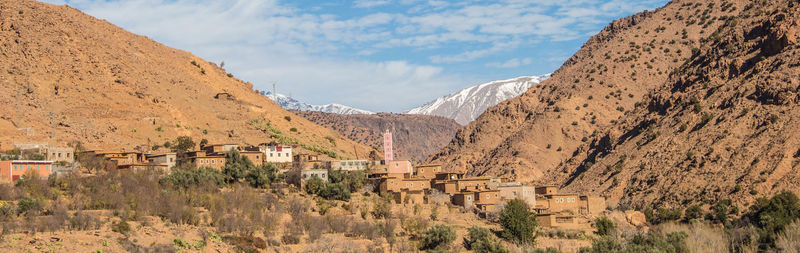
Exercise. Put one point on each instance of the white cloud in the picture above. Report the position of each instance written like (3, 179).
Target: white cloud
(512, 63)
(370, 3)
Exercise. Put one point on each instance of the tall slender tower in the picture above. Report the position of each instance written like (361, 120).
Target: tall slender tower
(388, 154)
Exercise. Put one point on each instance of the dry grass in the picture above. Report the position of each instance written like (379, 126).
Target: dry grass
(702, 237)
(789, 240)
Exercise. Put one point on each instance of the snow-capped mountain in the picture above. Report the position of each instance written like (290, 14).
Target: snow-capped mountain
(290, 103)
(466, 105)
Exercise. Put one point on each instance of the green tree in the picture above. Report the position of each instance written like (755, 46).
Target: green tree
(604, 226)
(262, 176)
(519, 224)
(314, 185)
(438, 237)
(182, 143)
(236, 166)
(335, 191)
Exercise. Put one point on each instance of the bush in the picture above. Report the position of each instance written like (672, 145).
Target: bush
(438, 237)
(262, 176)
(335, 191)
(186, 178)
(650, 242)
(26, 204)
(480, 240)
(693, 213)
(604, 226)
(771, 216)
(665, 215)
(121, 227)
(314, 185)
(518, 223)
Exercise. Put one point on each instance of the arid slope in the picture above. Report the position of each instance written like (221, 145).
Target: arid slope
(529, 136)
(110, 88)
(723, 125)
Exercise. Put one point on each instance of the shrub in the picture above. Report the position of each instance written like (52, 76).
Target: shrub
(314, 185)
(287, 118)
(480, 240)
(518, 223)
(186, 178)
(121, 227)
(381, 209)
(693, 213)
(438, 237)
(262, 176)
(604, 226)
(773, 215)
(665, 215)
(335, 191)
(293, 129)
(26, 204)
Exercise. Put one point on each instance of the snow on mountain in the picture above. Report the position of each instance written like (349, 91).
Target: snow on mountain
(466, 105)
(290, 103)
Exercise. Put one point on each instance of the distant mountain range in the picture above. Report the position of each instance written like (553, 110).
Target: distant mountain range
(466, 105)
(290, 103)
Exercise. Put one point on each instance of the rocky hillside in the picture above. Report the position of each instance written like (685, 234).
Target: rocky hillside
(528, 136)
(466, 105)
(93, 82)
(415, 136)
(723, 125)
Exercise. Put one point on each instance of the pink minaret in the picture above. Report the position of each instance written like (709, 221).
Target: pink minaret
(387, 146)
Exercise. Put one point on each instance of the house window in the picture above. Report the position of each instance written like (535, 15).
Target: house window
(279, 154)
(68, 154)
(213, 161)
(271, 154)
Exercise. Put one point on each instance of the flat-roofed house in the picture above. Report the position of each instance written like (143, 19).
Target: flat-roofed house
(472, 183)
(59, 154)
(487, 200)
(257, 157)
(546, 189)
(427, 170)
(349, 165)
(396, 166)
(12, 171)
(308, 174)
(278, 154)
(219, 148)
(525, 193)
(167, 159)
(406, 196)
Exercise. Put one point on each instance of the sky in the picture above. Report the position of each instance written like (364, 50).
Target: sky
(377, 55)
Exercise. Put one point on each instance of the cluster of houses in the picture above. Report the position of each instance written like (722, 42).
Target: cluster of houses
(399, 179)
(411, 185)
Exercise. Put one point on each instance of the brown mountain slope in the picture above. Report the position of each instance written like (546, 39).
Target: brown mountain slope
(112, 89)
(723, 125)
(415, 136)
(530, 135)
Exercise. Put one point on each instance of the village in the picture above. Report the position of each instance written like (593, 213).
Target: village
(399, 180)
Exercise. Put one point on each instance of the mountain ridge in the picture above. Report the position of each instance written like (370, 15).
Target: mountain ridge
(290, 103)
(467, 104)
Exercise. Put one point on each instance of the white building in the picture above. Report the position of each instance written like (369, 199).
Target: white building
(349, 165)
(277, 154)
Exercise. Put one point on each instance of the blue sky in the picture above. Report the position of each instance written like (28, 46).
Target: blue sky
(378, 55)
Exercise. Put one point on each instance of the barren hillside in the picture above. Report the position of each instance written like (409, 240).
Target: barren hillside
(415, 136)
(93, 82)
(723, 125)
(528, 136)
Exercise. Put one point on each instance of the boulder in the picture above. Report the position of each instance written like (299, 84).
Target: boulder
(636, 218)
